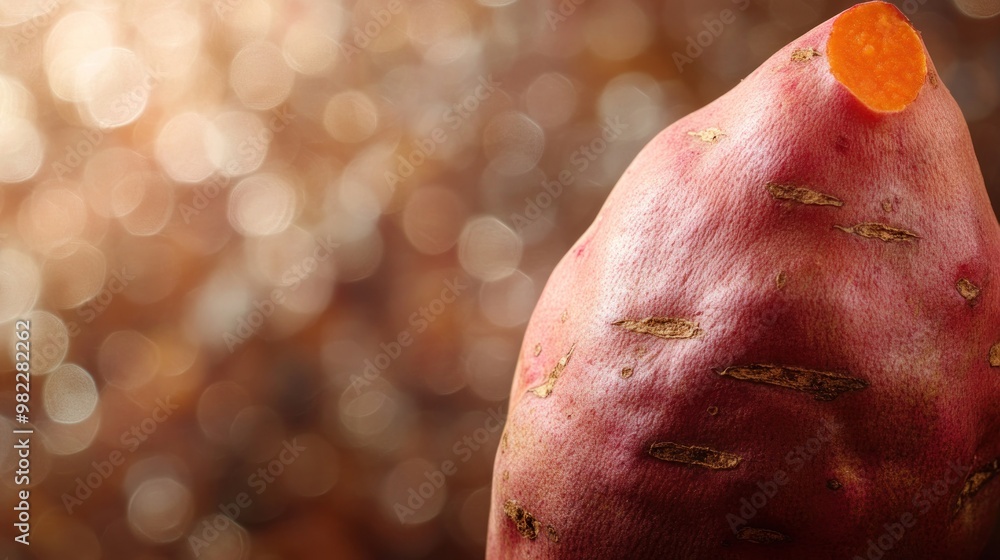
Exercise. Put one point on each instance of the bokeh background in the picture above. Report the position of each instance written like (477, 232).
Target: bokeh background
(305, 236)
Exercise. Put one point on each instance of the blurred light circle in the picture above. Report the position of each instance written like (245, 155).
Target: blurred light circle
(243, 142)
(160, 510)
(51, 217)
(231, 543)
(155, 203)
(309, 46)
(75, 36)
(474, 515)
(15, 13)
(975, 87)
(433, 219)
(979, 8)
(128, 359)
(489, 367)
(551, 99)
(257, 433)
(113, 87)
(314, 472)
(19, 284)
(368, 414)
(488, 249)
(103, 173)
(218, 407)
(15, 99)
(70, 394)
(618, 31)
(21, 150)
(74, 275)
(262, 204)
(441, 29)
(350, 116)
(56, 536)
(412, 475)
(182, 147)
(69, 439)
(50, 341)
(508, 302)
(513, 143)
(260, 77)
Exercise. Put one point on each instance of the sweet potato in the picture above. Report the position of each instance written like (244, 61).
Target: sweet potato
(780, 338)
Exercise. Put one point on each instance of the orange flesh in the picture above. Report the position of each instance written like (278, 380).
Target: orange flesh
(877, 55)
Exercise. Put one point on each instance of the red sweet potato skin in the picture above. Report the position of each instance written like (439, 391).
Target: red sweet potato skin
(692, 231)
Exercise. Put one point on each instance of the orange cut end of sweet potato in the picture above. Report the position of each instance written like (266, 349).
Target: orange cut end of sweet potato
(877, 55)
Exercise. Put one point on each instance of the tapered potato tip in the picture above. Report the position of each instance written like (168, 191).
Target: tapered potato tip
(877, 55)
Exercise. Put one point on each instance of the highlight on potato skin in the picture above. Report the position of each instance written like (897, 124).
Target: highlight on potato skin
(783, 330)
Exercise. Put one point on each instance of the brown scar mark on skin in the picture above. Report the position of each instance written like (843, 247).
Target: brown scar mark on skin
(564, 316)
(995, 355)
(662, 327)
(545, 389)
(713, 410)
(780, 280)
(802, 195)
(874, 230)
(976, 480)
(626, 372)
(968, 290)
(538, 349)
(834, 484)
(694, 455)
(551, 533)
(709, 135)
(525, 523)
(761, 536)
(802, 55)
(887, 205)
(824, 386)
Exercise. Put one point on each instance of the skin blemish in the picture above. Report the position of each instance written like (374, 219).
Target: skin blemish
(545, 389)
(803, 55)
(873, 230)
(694, 455)
(709, 135)
(761, 536)
(802, 195)
(824, 386)
(661, 327)
(524, 522)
